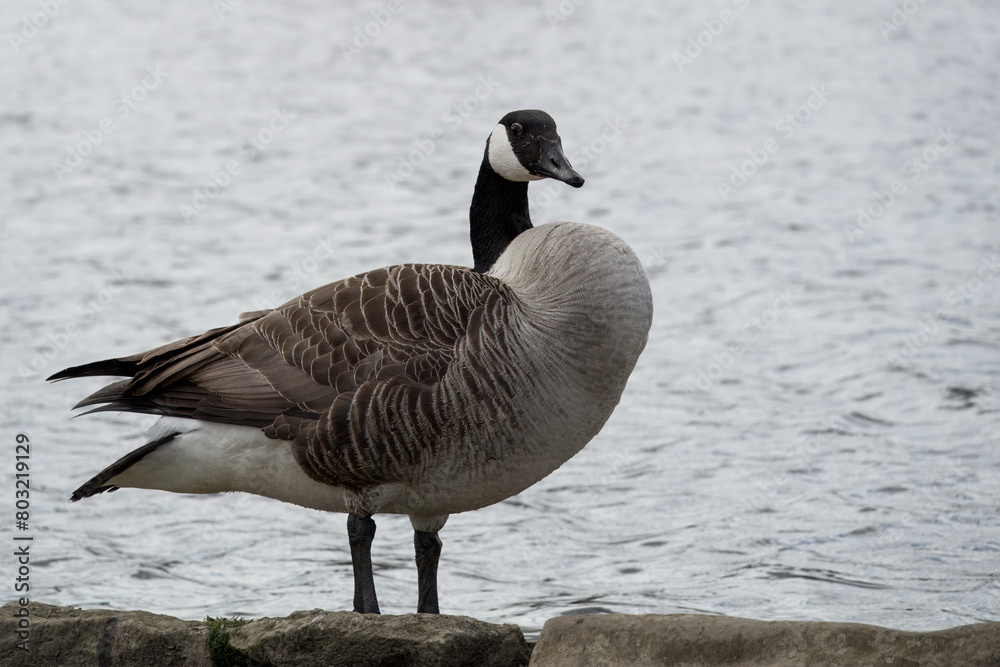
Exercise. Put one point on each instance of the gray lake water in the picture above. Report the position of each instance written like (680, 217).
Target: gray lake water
(812, 431)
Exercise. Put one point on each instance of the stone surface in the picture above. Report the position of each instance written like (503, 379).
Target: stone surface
(327, 638)
(693, 640)
(70, 637)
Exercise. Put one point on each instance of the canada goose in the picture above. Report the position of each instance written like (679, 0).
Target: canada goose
(416, 389)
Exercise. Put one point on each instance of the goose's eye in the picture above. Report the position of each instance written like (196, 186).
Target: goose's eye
(516, 130)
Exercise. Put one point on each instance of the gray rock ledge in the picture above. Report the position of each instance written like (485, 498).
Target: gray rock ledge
(686, 640)
(70, 637)
(336, 638)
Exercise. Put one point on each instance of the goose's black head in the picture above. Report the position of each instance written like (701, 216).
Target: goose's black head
(525, 147)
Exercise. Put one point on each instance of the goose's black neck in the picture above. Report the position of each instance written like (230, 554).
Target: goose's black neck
(499, 212)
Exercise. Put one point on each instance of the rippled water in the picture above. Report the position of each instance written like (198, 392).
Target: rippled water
(812, 431)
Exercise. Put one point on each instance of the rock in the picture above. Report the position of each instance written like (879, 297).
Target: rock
(694, 640)
(71, 637)
(333, 638)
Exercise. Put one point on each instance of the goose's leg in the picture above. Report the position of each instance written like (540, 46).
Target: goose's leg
(360, 533)
(427, 546)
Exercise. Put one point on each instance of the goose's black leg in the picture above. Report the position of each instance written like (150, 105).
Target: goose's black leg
(428, 549)
(360, 533)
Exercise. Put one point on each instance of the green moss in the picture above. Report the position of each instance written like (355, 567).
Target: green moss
(223, 654)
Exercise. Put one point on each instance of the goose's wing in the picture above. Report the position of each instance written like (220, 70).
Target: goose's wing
(314, 364)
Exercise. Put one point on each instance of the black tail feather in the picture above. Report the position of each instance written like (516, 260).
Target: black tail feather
(159, 382)
(106, 394)
(98, 484)
(123, 406)
(107, 367)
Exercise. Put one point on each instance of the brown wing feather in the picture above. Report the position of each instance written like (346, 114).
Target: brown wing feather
(350, 367)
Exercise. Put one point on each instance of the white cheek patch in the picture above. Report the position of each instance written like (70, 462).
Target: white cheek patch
(503, 160)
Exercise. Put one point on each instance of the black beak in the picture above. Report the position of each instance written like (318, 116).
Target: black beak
(554, 164)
